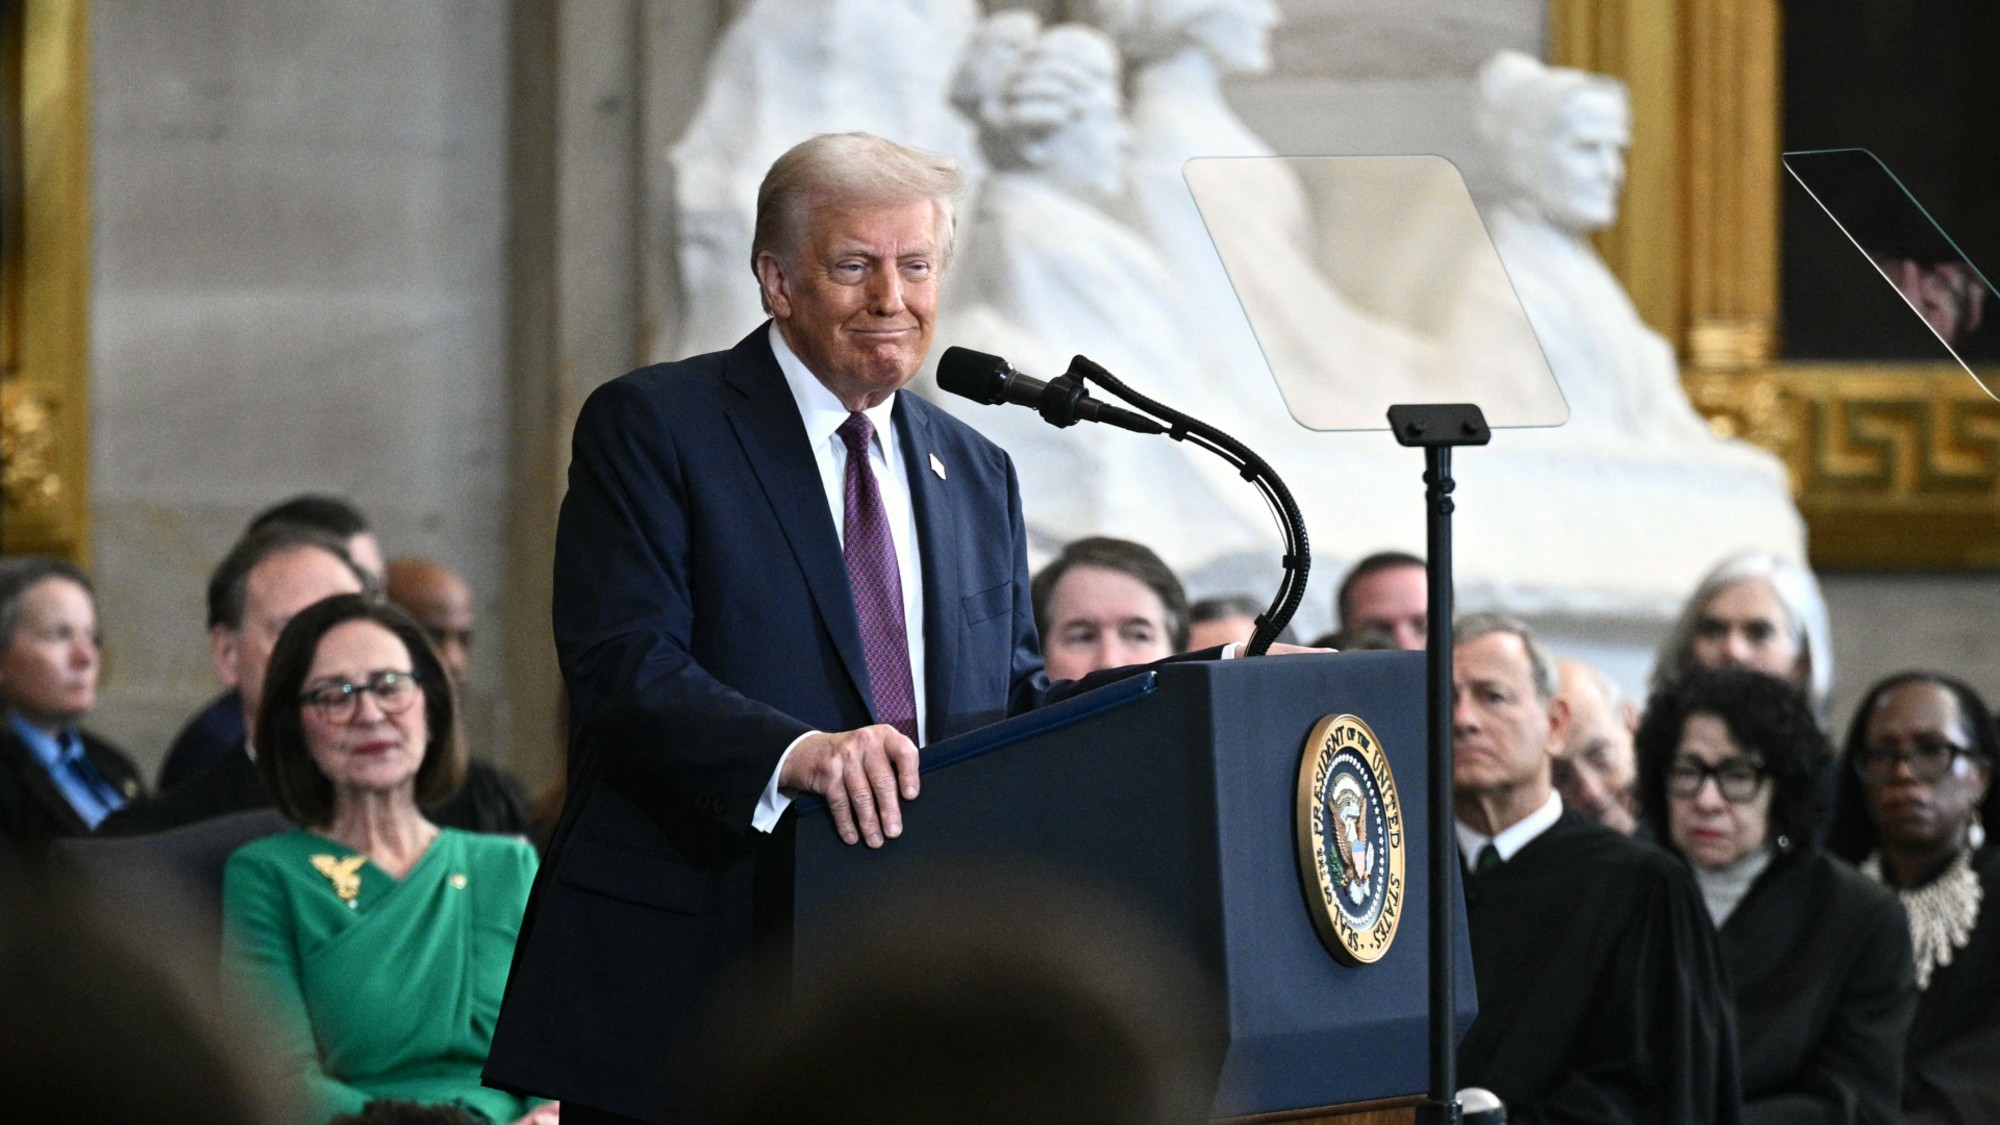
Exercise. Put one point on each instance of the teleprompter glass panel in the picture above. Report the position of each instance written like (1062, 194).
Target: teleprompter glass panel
(1369, 282)
(1906, 248)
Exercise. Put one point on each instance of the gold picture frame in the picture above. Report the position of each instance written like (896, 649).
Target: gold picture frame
(1894, 466)
(45, 278)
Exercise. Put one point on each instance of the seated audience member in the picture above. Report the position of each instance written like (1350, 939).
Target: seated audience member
(1598, 772)
(271, 574)
(441, 602)
(1386, 592)
(371, 946)
(218, 726)
(1754, 611)
(1916, 808)
(1601, 990)
(1227, 620)
(1818, 955)
(56, 779)
(1107, 603)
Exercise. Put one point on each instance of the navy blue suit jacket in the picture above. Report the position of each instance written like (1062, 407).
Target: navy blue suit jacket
(703, 620)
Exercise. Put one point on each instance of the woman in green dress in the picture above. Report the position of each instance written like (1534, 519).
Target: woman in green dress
(372, 946)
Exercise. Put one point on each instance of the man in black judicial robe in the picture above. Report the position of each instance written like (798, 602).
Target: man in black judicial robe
(1602, 996)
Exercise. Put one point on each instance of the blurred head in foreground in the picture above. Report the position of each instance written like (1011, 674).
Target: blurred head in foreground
(974, 1000)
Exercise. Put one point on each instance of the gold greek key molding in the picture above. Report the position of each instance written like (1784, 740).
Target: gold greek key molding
(45, 279)
(1897, 466)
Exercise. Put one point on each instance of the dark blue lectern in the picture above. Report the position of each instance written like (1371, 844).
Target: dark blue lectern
(1178, 789)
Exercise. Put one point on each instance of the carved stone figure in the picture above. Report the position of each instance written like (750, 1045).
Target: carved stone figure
(1043, 273)
(787, 69)
(1560, 135)
(1180, 51)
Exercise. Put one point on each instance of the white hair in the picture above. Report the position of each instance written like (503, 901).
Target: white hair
(850, 169)
(1805, 614)
(1541, 662)
(1517, 98)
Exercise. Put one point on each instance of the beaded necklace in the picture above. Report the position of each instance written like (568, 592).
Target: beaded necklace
(1942, 912)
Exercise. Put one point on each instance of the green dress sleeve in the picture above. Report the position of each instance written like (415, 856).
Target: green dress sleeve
(261, 976)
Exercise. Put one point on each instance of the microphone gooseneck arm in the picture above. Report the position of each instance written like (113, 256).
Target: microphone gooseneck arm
(1297, 561)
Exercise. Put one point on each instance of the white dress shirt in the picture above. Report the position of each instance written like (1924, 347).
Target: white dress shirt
(823, 416)
(1512, 838)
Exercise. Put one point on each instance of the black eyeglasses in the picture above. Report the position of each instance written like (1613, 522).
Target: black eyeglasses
(394, 692)
(1929, 759)
(1737, 779)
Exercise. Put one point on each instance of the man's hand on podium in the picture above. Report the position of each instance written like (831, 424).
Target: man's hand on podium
(863, 775)
(1236, 650)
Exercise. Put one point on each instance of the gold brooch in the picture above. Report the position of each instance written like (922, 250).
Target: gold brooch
(345, 873)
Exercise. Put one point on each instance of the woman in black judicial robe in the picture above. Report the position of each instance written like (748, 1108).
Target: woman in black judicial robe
(1915, 809)
(1731, 763)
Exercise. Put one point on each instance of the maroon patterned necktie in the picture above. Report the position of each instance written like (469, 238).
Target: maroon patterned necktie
(877, 584)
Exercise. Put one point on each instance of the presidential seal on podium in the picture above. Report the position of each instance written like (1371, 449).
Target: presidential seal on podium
(1350, 833)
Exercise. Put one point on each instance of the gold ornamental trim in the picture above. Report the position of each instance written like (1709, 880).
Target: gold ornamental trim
(1349, 824)
(45, 278)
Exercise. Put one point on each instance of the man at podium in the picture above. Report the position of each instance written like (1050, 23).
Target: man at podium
(1601, 994)
(774, 576)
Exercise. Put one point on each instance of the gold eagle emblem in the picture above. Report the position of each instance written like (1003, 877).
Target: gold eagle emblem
(344, 873)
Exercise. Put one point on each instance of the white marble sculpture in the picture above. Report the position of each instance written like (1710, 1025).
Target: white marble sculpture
(1081, 236)
(1180, 52)
(785, 70)
(1560, 136)
(1043, 273)
(1636, 488)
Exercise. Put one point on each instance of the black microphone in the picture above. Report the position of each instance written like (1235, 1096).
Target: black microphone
(1062, 401)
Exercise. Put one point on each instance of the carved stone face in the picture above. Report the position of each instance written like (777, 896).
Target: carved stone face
(1575, 171)
(1085, 155)
(1236, 34)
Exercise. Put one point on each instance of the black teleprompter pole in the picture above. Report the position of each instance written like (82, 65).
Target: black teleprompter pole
(1437, 429)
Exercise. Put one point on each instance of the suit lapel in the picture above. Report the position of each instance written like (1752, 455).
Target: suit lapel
(42, 789)
(937, 542)
(111, 767)
(767, 424)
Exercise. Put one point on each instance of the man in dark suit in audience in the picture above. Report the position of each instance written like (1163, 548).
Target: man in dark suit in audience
(1385, 593)
(775, 575)
(271, 574)
(218, 727)
(1105, 603)
(1601, 992)
(433, 593)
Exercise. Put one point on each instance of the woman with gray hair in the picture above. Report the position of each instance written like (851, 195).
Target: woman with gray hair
(1758, 611)
(56, 779)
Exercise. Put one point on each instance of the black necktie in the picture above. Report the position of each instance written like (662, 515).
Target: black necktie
(1489, 858)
